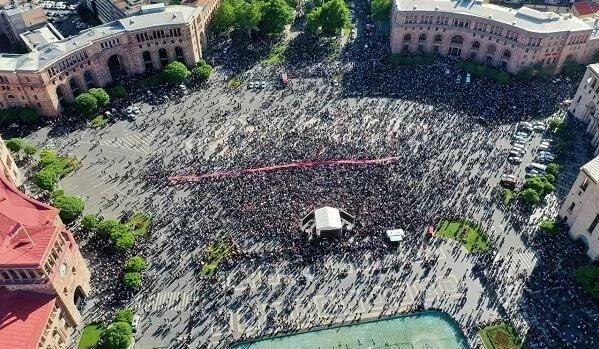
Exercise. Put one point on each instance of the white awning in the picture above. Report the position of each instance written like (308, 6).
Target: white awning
(327, 218)
(395, 235)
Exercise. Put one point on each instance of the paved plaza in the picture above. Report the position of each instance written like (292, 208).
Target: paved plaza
(449, 162)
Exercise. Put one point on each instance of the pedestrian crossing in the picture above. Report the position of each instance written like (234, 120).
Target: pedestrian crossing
(140, 143)
(527, 259)
(175, 301)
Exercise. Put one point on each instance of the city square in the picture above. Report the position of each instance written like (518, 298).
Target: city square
(201, 224)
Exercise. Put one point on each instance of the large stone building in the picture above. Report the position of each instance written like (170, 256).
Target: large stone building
(584, 105)
(20, 19)
(43, 277)
(580, 209)
(8, 167)
(54, 73)
(495, 35)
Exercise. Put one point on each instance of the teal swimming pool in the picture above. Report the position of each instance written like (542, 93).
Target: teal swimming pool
(426, 330)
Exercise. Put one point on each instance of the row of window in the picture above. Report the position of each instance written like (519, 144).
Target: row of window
(67, 63)
(20, 274)
(3, 79)
(579, 39)
(158, 34)
(110, 43)
(54, 254)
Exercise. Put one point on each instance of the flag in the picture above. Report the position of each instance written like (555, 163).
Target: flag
(14, 230)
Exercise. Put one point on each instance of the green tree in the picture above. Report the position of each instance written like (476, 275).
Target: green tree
(28, 116)
(107, 227)
(118, 92)
(202, 70)
(334, 17)
(530, 196)
(480, 70)
(276, 14)
(70, 206)
(548, 226)
(46, 179)
(118, 336)
(101, 96)
(135, 264)
(86, 103)
(30, 149)
(248, 15)
(132, 280)
(124, 241)
(15, 144)
(555, 123)
(380, 10)
(525, 74)
(553, 169)
(588, 277)
(175, 73)
(90, 221)
(469, 67)
(313, 20)
(124, 315)
(502, 77)
(224, 17)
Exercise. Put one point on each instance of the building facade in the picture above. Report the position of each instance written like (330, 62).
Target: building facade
(8, 167)
(20, 19)
(43, 277)
(113, 10)
(494, 35)
(55, 73)
(580, 209)
(584, 105)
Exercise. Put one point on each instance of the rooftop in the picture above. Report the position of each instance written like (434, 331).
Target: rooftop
(50, 53)
(23, 317)
(31, 243)
(591, 168)
(41, 36)
(525, 18)
(585, 8)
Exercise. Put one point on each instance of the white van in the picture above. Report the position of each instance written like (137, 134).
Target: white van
(135, 323)
(536, 166)
(468, 78)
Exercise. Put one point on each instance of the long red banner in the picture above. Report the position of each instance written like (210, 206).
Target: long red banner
(304, 164)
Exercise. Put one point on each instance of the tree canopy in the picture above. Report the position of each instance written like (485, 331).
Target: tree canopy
(135, 264)
(101, 96)
(124, 315)
(118, 335)
(15, 144)
(588, 277)
(90, 221)
(86, 103)
(202, 70)
(132, 280)
(380, 10)
(530, 196)
(70, 206)
(329, 18)
(269, 16)
(276, 14)
(175, 73)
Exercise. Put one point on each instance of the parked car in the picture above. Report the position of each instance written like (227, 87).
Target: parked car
(135, 323)
(514, 159)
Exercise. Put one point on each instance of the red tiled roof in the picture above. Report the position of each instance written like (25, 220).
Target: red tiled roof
(586, 8)
(37, 221)
(23, 317)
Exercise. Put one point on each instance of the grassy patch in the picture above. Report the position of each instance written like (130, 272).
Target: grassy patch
(276, 55)
(234, 83)
(140, 223)
(466, 232)
(99, 121)
(507, 196)
(90, 336)
(212, 257)
(500, 336)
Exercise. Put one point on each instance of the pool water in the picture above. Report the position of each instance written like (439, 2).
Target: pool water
(426, 330)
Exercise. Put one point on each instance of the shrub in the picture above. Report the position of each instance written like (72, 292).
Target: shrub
(502, 77)
(46, 179)
(117, 92)
(91, 221)
(30, 149)
(48, 157)
(28, 116)
(86, 104)
(588, 278)
(70, 206)
(549, 226)
(99, 121)
(555, 123)
(124, 315)
(118, 335)
(135, 264)
(234, 83)
(102, 98)
(202, 70)
(175, 73)
(553, 169)
(124, 241)
(530, 196)
(132, 280)
(107, 227)
(15, 144)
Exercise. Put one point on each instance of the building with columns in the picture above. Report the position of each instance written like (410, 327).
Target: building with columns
(53, 74)
(499, 36)
(580, 209)
(584, 104)
(43, 277)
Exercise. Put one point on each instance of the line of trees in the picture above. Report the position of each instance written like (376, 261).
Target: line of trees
(268, 17)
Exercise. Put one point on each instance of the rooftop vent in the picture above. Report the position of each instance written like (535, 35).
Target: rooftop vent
(490, 16)
(436, 8)
(414, 7)
(174, 15)
(131, 21)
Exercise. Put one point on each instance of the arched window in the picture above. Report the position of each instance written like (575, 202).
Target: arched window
(475, 45)
(407, 37)
(457, 40)
(147, 57)
(89, 79)
(438, 38)
(507, 54)
(179, 54)
(74, 87)
(422, 37)
(163, 57)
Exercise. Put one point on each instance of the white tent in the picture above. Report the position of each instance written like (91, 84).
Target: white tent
(395, 235)
(327, 218)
